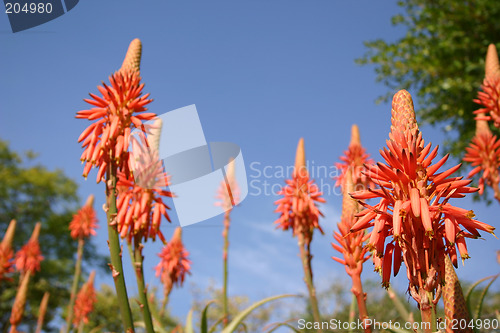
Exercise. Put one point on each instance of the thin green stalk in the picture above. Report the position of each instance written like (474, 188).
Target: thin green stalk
(225, 233)
(352, 312)
(115, 251)
(427, 312)
(80, 327)
(74, 287)
(305, 256)
(143, 294)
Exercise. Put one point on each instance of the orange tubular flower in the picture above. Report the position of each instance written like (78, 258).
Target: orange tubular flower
(140, 204)
(484, 151)
(484, 155)
(298, 207)
(29, 257)
(85, 301)
(174, 263)
(6, 253)
(116, 114)
(414, 212)
(84, 221)
(354, 158)
(489, 97)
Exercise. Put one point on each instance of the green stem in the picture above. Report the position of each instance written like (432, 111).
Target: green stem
(357, 290)
(115, 251)
(143, 293)
(305, 255)
(225, 233)
(74, 287)
(80, 327)
(427, 312)
(352, 312)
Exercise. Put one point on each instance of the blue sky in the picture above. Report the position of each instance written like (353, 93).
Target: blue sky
(261, 73)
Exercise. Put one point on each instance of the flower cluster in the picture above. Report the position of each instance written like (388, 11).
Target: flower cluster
(354, 159)
(298, 207)
(6, 252)
(29, 257)
(414, 213)
(84, 222)
(351, 244)
(174, 263)
(140, 204)
(483, 152)
(115, 115)
(85, 300)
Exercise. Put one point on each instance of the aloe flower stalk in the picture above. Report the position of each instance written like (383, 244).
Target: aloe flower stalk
(351, 244)
(41, 312)
(414, 215)
(140, 205)
(82, 226)
(228, 194)
(6, 252)
(85, 301)
(29, 257)
(174, 265)
(19, 303)
(483, 152)
(299, 212)
(106, 141)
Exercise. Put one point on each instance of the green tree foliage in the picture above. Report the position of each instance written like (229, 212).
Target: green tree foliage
(440, 59)
(106, 314)
(30, 193)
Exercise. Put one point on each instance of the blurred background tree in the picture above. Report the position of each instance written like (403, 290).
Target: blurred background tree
(440, 59)
(30, 193)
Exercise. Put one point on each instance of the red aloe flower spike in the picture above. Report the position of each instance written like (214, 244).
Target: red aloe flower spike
(84, 221)
(174, 263)
(29, 257)
(140, 203)
(409, 183)
(351, 245)
(120, 109)
(355, 157)
(19, 303)
(298, 211)
(488, 98)
(85, 301)
(6, 253)
(298, 207)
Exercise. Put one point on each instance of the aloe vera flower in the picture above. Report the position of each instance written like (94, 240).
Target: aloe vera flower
(484, 155)
(85, 301)
(29, 257)
(140, 203)
(174, 263)
(298, 207)
(118, 111)
(489, 97)
(354, 159)
(414, 215)
(6, 252)
(84, 222)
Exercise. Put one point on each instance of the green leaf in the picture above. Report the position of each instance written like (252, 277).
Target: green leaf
(479, 306)
(471, 289)
(278, 325)
(189, 322)
(204, 319)
(242, 315)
